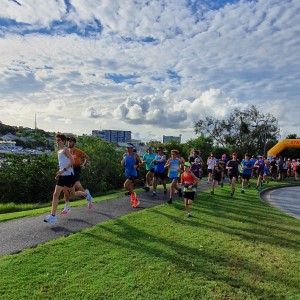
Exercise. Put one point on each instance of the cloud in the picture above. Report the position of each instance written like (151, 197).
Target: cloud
(161, 65)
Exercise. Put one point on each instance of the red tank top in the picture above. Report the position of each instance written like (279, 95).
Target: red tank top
(187, 178)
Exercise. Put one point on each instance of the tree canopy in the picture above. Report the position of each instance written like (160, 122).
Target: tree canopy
(248, 130)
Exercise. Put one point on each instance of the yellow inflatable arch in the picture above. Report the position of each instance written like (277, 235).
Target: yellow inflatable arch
(283, 144)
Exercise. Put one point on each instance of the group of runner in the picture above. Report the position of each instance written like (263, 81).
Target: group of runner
(183, 175)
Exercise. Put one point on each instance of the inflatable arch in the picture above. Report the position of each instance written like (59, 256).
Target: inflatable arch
(283, 144)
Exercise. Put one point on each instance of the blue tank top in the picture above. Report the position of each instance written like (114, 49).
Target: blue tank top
(129, 165)
(159, 166)
(173, 169)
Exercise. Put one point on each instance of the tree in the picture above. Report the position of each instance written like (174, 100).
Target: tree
(202, 144)
(247, 130)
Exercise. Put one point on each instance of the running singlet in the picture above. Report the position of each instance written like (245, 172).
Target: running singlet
(173, 169)
(159, 166)
(129, 165)
(63, 161)
(148, 158)
(187, 180)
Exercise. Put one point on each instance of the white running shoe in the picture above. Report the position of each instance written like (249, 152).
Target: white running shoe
(50, 219)
(65, 211)
(89, 198)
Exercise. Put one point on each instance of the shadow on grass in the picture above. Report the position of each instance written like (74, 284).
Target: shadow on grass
(210, 263)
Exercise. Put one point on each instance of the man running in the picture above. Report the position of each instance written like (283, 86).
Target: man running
(81, 159)
(64, 176)
(159, 170)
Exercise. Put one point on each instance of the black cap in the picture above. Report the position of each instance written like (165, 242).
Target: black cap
(72, 139)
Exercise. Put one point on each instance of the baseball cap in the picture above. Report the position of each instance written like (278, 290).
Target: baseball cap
(72, 139)
(150, 148)
(128, 145)
(187, 164)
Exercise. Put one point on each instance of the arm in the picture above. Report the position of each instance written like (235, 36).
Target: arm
(123, 160)
(167, 165)
(86, 160)
(138, 161)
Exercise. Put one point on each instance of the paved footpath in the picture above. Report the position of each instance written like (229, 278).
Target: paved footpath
(20, 234)
(286, 199)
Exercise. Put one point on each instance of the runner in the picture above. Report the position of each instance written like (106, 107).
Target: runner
(189, 182)
(64, 176)
(131, 162)
(233, 171)
(159, 170)
(247, 167)
(260, 168)
(81, 159)
(216, 176)
(210, 165)
(147, 159)
(174, 165)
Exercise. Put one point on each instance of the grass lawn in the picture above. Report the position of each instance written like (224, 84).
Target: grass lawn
(232, 248)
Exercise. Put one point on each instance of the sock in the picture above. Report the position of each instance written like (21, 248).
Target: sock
(67, 205)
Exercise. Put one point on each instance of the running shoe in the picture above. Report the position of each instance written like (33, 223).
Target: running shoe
(89, 198)
(50, 219)
(147, 189)
(189, 215)
(127, 194)
(136, 203)
(133, 197)
(65, 211)
(154, 194)
(242, 191)
(170, 201)
(165, 192)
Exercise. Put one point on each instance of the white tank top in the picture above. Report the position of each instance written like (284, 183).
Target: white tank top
(63, 161)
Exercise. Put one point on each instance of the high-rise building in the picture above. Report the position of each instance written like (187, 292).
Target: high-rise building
(167, 138)
(113, 136)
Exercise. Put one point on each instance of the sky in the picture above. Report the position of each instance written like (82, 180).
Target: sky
(153, 67)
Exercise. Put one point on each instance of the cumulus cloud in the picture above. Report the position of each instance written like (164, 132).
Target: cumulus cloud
(159, 64)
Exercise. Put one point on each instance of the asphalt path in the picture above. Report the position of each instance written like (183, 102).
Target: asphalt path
(19, 234)
(285, 199)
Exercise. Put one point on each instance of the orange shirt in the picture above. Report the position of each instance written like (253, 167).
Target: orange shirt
(187, 178)
(77, 155)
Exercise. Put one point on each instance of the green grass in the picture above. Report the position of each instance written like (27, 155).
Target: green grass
(236, 248)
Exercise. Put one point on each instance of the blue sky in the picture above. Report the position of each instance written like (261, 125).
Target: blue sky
(152, 67)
